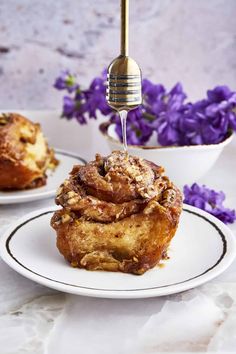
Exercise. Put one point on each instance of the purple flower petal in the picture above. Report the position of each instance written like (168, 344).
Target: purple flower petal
(218, 94)
(66, 81)
(209, 200)
(68, 107)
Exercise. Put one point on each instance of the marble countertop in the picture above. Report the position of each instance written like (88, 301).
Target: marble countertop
(35, 319)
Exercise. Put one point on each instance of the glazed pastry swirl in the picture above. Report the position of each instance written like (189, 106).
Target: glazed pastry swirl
(113, 188)
(25, 155)
(119, 213)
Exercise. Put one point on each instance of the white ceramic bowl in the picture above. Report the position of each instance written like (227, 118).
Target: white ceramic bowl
(183, 164)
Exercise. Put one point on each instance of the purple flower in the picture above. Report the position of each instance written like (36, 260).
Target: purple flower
(68, 107)
(166, 110)
(96, 98)
(162, 113)
(189, 126)
(152, 93)
(166, 128)
(222, 106)
(66, 81)
(210, 120)
(73, 109)
(80, 117)
(219, 94)
(83, 104)
(209, 200)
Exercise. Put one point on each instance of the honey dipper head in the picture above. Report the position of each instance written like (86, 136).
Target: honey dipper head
(124, 84)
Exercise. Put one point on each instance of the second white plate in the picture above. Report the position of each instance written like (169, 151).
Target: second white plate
(55, 178)
(202, 248)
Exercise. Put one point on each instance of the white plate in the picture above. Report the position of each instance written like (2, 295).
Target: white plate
(55, 178)
(202, 249)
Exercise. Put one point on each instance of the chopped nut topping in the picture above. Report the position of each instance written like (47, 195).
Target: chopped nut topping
(72, 201)
(65, 218)
(71, 194)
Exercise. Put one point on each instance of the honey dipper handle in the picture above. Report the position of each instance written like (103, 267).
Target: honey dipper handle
(124, 27)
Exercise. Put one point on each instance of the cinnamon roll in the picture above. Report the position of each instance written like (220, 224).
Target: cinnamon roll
(24, 153)
(119, 213)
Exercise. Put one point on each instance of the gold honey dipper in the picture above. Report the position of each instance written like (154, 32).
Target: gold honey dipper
(124, 75)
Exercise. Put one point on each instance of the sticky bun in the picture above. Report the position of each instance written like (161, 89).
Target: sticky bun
(119, 213)
(24, 153)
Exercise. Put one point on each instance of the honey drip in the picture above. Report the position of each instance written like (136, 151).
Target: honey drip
(123, 118)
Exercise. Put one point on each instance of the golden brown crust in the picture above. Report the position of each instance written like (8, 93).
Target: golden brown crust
(103, 227)
(24, 153)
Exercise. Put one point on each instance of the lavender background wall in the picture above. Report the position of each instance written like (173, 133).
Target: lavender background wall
(172, 40)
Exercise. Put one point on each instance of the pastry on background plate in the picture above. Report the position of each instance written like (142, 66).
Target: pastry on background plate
(24, 153)
(119, 213)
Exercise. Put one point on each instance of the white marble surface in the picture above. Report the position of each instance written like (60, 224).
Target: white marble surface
(192, 41)
(37, 320)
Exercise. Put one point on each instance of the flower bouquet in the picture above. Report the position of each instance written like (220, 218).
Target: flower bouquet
(165, 114)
